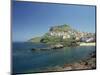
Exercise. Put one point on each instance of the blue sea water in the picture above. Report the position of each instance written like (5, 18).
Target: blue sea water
(25, 60)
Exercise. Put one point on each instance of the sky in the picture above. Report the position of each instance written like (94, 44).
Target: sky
(31, 19)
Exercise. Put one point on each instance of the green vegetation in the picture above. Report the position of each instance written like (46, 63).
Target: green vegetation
(51, 40)
(69, 42)
(58, 40)
(35, 40)
(64, 27)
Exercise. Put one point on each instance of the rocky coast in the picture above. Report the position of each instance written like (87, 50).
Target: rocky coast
(85, 64)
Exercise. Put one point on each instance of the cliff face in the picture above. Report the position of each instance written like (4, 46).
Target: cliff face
(63, 31)
(66, 32)
(61, 28)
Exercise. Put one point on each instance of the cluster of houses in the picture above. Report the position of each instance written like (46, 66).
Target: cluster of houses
(64, 35)
(79, 36)
(85, 37)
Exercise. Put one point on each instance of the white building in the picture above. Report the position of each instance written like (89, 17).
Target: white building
(64, 35)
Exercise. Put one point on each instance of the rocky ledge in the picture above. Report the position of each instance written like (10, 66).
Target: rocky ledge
(57, 46)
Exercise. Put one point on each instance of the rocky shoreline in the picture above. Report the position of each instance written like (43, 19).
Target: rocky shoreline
(57, 46)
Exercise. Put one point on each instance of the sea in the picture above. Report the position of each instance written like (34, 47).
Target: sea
(24, 60)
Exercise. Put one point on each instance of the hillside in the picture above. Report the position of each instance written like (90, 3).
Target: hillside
(64, 35)
(60, 28)
(35, 40)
